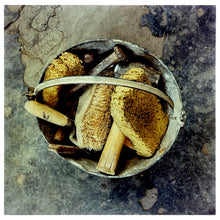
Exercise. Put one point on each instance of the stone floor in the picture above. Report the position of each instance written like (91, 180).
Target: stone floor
(37, 181)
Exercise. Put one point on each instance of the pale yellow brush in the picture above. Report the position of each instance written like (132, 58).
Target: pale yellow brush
(93, 117)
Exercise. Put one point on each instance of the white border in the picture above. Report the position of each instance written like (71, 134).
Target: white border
(103, 2)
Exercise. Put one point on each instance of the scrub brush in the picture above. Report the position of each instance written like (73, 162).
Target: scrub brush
(93, 117)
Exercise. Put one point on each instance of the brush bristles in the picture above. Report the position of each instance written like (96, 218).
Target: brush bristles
(93, 127)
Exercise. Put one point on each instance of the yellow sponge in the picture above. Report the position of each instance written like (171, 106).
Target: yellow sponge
(67, 64)
(139, 114)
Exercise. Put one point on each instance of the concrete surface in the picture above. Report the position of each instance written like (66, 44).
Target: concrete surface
(37, 181)
(45, 32)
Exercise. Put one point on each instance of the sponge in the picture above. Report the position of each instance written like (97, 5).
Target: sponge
(67, 64)
(139, 114)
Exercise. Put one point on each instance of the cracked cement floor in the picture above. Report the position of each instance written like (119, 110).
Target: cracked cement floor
(37, 181)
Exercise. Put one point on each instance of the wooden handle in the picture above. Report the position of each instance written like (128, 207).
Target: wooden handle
(60, 135)
(111, 152)
(47, 113)
(64, 149)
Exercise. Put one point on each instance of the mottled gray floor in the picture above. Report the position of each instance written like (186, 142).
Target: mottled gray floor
(37, 181)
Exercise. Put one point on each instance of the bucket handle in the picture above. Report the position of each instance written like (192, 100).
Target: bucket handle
(99, 80)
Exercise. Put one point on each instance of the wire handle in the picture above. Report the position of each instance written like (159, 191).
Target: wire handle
(102, 80)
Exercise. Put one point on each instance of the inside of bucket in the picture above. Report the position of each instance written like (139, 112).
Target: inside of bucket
(129, 162)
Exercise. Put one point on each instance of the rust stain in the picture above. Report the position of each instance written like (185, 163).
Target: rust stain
(20, 179)
(205, 149)
(161, 151)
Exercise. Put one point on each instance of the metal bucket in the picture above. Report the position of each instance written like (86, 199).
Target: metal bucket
(129, 162)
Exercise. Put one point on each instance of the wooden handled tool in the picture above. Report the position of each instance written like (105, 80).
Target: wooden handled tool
(111, 152)
(47, 113)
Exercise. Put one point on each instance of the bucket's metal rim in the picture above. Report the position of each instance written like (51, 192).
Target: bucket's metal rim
(177, 115)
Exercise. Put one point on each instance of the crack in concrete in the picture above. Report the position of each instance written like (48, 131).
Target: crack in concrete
(44, 16)
(13, 21)
(36, 35)
(46, 31)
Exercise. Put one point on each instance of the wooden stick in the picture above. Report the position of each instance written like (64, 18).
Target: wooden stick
(47, 113)
(65, 149)
(111, 152)
(60, 135)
